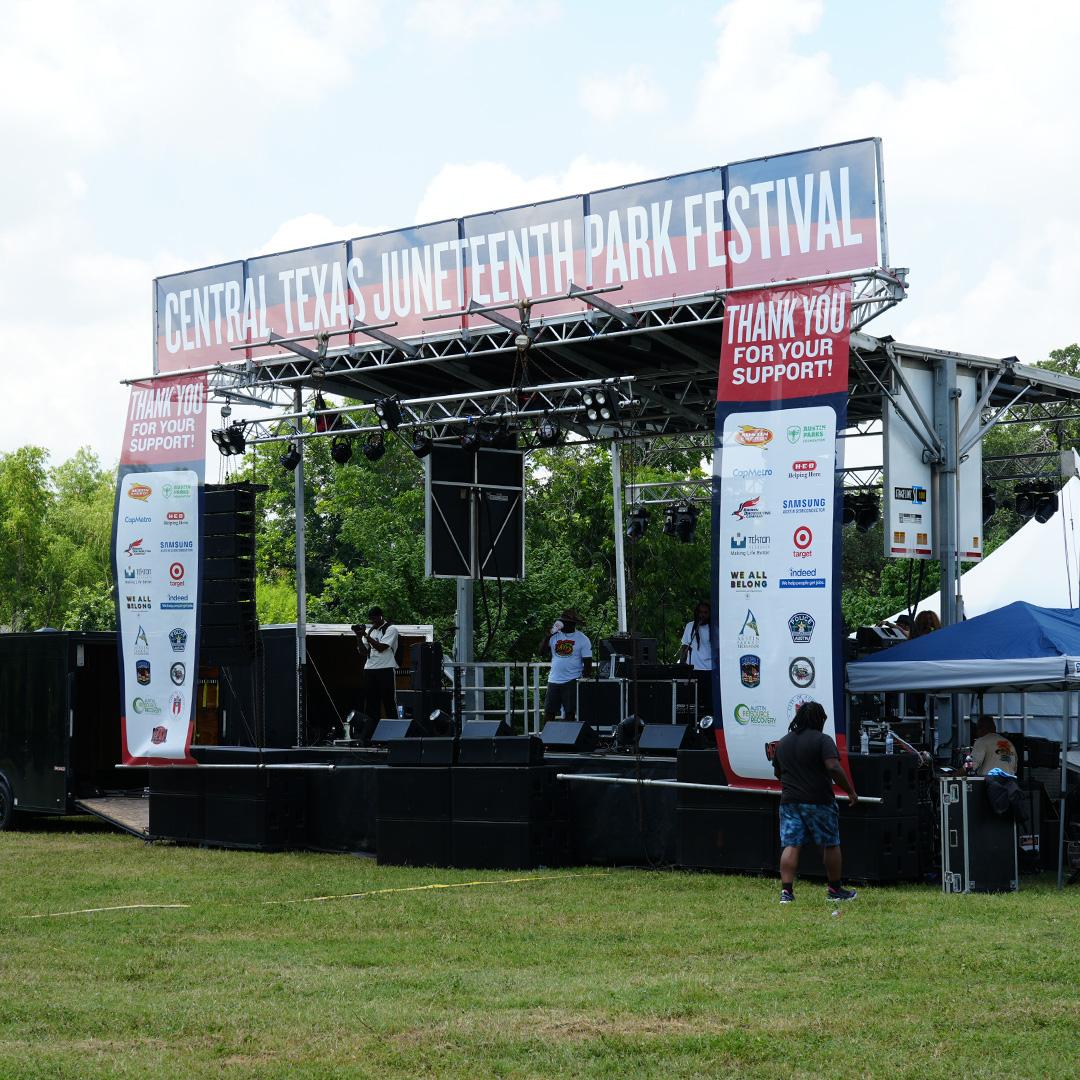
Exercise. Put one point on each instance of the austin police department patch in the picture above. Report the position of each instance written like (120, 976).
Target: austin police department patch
(801, 627)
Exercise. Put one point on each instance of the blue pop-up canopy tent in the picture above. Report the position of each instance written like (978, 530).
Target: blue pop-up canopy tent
(1019, 646)
(1016, 647)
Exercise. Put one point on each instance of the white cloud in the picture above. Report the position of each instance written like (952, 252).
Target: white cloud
(457, 190)
(463, 20)
(308, 230)
(634, 92)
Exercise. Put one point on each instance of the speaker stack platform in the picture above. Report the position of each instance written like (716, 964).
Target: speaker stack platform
(230, 627)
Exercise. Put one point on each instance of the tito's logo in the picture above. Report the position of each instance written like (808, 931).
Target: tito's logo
(749, 435)
(142, 492)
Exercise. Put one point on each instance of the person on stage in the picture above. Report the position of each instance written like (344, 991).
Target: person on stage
(571, 657)
(380, 639)
(697, 652)
(807, 764)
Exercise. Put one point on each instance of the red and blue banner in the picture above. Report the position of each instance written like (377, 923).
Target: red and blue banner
(812, 213)
(157, 566)
(781, 400)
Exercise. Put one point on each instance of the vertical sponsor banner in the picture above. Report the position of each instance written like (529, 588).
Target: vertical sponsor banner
(157, 529)
(781, 400)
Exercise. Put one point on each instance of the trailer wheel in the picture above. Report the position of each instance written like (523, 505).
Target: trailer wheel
(6, 806)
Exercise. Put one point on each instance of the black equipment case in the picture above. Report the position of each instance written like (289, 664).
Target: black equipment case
(978, 846)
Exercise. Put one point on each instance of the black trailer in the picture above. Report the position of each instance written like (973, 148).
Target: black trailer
(60, 726)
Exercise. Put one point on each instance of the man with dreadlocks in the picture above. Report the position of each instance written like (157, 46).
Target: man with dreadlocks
(807, 764)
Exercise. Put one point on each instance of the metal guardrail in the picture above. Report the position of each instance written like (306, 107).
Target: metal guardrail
(519, 686)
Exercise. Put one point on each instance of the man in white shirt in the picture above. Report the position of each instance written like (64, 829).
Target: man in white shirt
(991, 750)
(380, 672)
(697, 652)
(571, 657)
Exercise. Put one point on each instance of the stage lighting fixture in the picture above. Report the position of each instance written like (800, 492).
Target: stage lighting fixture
(668, 528)
(706, 723)
(1046, 503)
(470, 439)
(341, 449)
(291, 458)
(1024, 500)
(421, 444)
(639, 522)
(388, 410)
(866, 513)
(686, 515)
(235, 435)
(221, 441)
(374, 446)
(441, 722)
(548, 432)
(324, 424)
(989, 502)
(601, 404)
(851, 503)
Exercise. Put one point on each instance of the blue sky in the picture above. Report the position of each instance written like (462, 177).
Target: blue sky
(146, 139)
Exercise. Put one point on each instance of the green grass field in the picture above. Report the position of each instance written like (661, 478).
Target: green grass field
(563, 973)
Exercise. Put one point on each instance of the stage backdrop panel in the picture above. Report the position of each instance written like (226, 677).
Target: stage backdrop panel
(781, 400)
(157, 529)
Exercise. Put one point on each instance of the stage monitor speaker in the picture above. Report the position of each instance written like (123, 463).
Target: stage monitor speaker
(390, 730)
(504, 750)
(569, 735)
(485, 729)
(427, 659)
(665, 738)
(642, 649)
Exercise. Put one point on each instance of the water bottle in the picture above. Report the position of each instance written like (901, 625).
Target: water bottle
(864, 742)
(888, 741)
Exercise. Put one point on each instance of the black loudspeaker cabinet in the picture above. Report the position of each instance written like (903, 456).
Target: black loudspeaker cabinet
(873, 848)
(569, 735)
(484, 729)
(267, 811)
(507, 845)
(414, 793)
(426, 751)
(665, 738)
(893, 778)
(504, 794)
(601, 701)
(176, 816)
(427, 660)
(978, 847)
(413, 842)
(728, 839)
(342, 808)
(505, 750)
(393, 729)
(700, 767)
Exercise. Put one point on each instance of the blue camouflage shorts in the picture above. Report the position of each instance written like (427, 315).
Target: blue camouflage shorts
(803, 823)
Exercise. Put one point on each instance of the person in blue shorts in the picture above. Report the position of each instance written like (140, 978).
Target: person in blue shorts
(807, 764)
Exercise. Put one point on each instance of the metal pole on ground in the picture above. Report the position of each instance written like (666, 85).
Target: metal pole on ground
(945, 523)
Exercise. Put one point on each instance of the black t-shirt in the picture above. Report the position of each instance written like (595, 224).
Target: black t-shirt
(801, 757)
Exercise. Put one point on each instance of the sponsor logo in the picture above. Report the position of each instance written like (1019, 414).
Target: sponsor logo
(175, 517)
(176, 574)
(750, 435)
(176, 491)
(807, 433)
(142, 672)
(137, 519)
(748, 510)
(157, 736)
(911, 519)
(176, 704)
(176, 545)
(804, 506)
(751, 474)
(913, 494)
(794, 433)
(142, 645)
(135, 548)
(749, 545)
(801, 672)
(178, 639)
(752, 714)
(750, 671)
(803, 470)
(178, 672)
(140, 492)
(749, 580)
(749, 636)
(177, 602)
(137, 602)
(140, 573)
(802, 578)
(801, 627)
(147, 705)
(802, 540)
(795, 702)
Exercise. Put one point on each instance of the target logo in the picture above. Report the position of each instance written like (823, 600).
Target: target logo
(803, 538)
(176, 572)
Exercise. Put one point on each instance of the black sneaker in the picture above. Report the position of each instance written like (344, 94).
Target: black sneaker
(787, 896)
(840, 894)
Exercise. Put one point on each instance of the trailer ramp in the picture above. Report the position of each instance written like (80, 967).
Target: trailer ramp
(128, 812)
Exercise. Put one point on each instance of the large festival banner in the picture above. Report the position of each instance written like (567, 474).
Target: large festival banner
(157, 531)
(781, 400)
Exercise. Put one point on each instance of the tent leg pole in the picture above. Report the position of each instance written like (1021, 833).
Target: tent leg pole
(1064, 782)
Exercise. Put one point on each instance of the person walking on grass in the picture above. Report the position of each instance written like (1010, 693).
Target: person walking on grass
(807, 764)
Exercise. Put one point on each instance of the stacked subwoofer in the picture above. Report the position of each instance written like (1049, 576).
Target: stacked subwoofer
(229, 624)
